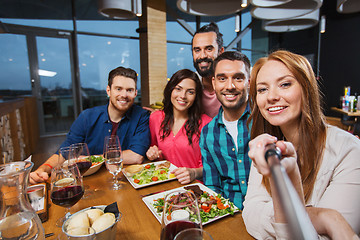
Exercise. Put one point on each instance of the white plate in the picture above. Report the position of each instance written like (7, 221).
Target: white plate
(149, 200)
(93, 169)
(136, 186)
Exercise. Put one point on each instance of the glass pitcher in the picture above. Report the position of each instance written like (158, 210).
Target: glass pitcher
(18, 220)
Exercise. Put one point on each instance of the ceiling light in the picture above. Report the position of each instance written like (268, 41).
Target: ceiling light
(268, 3)
(120, 9)
(348, 6)
(292, 24)
(237, 23)
(46, 73)
(287, 10)
(209, 7)
(244, 3)
(138, 8)
(323, 24)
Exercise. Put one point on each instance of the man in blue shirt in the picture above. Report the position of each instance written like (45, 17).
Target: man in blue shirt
(119, 117)
(224, 141)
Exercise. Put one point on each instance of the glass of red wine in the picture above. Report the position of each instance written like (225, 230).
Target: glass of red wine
(81, 156)
(181, 211)
(66, 183)
(193, 234)
(113, 158)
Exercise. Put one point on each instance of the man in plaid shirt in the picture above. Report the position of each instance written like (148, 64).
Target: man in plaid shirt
(224, 141)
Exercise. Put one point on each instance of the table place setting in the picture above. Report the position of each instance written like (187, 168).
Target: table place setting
(213, 207)
(150, 174)
(203, 205)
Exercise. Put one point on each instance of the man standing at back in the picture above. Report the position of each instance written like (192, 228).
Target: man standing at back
(207, 44)
(119, 117)
(224, 141)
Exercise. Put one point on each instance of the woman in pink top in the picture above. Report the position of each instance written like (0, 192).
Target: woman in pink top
(175, 131)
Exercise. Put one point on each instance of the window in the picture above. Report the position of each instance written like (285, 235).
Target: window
(14, 67)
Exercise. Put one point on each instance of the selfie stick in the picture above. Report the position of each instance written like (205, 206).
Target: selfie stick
(300, 225)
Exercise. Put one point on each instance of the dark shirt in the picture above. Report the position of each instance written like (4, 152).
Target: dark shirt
(94, 124)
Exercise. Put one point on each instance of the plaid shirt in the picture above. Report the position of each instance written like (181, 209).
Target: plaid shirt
(225, 170)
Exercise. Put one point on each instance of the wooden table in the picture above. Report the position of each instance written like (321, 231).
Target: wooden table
(137, 221)
(350, 114)
(356, 126)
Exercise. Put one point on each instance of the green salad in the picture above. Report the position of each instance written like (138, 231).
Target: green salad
(151, 174)
(214, 206)
(96, 159)
(211, 206)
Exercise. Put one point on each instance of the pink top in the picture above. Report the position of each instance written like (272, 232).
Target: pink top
(210, 103)
(177, 149)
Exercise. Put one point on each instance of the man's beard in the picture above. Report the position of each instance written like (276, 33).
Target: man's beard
(208, 72)
(120, 108)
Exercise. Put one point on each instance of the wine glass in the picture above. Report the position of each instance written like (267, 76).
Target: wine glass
(113, 158)
(66, 156)
(82, 159)
(193, 234)
(181, 211)
(66, 184)
(82, 156)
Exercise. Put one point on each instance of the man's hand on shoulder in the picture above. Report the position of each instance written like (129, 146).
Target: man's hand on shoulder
(151, 110)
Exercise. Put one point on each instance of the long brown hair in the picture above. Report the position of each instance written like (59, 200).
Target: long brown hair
(312, 128)
(194, 112)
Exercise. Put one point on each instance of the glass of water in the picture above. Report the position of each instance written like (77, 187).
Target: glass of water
(113, 158)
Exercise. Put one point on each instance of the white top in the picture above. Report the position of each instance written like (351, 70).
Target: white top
(337, 187)
(231, 126)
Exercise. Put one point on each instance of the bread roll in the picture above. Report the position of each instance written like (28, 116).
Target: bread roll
(93, 214)
(78, 220)
(163, 165)
(133, 169)
(103, 222)
(79, 231)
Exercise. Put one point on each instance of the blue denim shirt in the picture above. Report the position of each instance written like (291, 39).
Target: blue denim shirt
(94, 124)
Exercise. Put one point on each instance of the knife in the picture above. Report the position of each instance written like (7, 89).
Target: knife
(49, 235)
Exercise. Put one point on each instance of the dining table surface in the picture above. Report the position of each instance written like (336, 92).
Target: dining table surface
(137, 221)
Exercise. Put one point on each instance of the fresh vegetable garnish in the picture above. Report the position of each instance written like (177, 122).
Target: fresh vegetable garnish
(211, 206)
(159, 204)
(151, 174)
(96, 160)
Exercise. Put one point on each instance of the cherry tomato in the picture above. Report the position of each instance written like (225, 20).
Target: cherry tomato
(162, 171)
(136, 180)
(147, 166)
(154, 179)
(206, 208)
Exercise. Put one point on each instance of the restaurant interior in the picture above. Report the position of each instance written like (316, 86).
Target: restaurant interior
(73, 31)
(55, 57)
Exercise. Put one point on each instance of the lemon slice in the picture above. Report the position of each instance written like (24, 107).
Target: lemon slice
(171, 175)
(64, 182)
